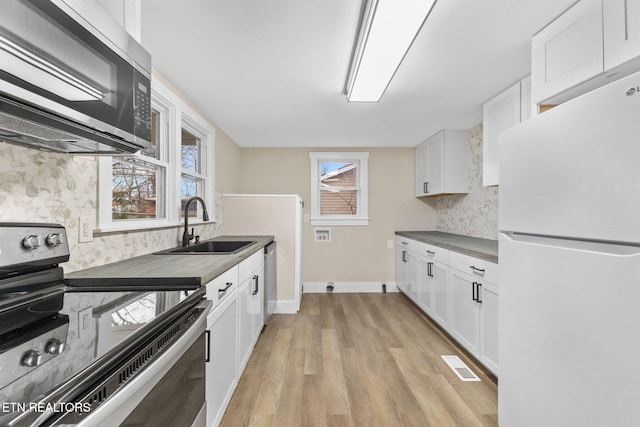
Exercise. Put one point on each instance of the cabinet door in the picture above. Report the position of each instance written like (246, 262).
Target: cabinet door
(465, 326)
(420, 153)
(245, 324)
(568, 51)
(257, 282)
(425, 285)
(489, 326)
(435, 164)
(440, 292)
(221, 364)
(402, 268)
(621, 22)
(499, 114)
(412, 276)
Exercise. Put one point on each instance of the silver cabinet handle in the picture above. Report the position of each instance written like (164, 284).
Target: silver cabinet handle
(255, 284)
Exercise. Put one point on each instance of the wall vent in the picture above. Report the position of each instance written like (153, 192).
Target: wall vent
(460, 368)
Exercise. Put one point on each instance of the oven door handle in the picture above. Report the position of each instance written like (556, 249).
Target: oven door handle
(121, 404)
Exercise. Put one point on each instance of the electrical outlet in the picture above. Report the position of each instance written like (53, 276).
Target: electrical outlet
(85, 229)
(85, 322)
(389, 244)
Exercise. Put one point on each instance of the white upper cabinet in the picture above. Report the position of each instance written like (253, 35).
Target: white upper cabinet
(621, 24)
(126, 12)
(498, 114)
(442, 164)
(568, 51)
(592, 44)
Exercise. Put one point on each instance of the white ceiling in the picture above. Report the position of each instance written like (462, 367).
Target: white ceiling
(271, 73)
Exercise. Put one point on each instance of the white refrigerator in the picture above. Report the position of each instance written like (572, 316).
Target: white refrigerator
(569, 251)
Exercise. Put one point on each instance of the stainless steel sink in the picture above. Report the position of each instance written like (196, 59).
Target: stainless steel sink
(212, 247)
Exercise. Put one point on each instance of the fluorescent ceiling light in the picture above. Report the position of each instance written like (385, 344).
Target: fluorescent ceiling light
(38, 71)
(387, 31)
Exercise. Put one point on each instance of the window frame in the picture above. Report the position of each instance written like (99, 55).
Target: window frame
(175, 114)
(362, 216)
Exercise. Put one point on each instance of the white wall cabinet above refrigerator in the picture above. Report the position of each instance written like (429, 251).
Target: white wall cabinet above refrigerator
(586, 47)
(500, 113)
(442, 164)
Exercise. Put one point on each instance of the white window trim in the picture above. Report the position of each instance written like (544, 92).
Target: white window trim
(362, 218)
(179, 115)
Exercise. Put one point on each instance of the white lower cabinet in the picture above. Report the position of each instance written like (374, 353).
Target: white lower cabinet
(221, 351)
(457, 291)
(233, 327)
(250, 307)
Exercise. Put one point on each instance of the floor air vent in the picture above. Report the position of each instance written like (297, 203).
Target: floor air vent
(460, 368)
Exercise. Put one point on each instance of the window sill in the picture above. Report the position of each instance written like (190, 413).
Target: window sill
(339, 222)
(132, 227)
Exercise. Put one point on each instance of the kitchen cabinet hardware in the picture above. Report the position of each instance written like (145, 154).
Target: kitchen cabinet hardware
(426, 187)
(432, 253)
(404, 256)
(429, 269)
(207, 357)
(255, 284)
(479, 270)
(473, 291)
(478, 289)
(224, 290)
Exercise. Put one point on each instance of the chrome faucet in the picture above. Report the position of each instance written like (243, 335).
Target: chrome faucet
(186, 237)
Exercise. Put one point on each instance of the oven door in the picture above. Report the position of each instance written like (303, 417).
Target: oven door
(54, 59)
(170, 391)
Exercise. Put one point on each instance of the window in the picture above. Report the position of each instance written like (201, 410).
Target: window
(150, 188)
(339, 187)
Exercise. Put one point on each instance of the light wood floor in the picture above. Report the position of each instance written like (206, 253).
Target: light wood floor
(358, 360)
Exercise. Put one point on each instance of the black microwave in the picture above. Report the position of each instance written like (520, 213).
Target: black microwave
(72, 79)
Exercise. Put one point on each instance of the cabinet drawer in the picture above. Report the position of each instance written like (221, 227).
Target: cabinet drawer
(250, 265)
(405, 243)
(222, 286)
(474, 266)
(433, 252)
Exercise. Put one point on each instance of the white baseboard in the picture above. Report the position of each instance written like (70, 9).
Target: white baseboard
(286, 307)
(348, 287)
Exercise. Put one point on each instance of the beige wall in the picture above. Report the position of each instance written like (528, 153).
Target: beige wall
(227, 163)
(355, 254)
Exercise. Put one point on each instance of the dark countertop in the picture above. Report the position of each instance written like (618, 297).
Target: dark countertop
(162, 272)
(473, 246)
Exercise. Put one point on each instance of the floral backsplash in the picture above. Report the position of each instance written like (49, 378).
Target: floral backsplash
(37, 186)
(476, 213)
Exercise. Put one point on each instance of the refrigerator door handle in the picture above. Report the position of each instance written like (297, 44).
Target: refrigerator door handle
(603, 248)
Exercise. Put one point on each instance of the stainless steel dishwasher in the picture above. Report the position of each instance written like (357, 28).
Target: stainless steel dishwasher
(270, 282)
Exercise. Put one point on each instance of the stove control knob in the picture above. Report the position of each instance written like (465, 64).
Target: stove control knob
(53, 239)
(31, 358)
(31, 242)
(54, 346)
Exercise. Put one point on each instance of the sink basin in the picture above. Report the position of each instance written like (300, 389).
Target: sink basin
(213, 247)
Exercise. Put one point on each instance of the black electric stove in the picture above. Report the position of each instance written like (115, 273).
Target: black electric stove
(51, 335)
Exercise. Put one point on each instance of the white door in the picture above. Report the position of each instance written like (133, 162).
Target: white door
(569, 327)
(420, 153)
(464, 325)
(489, 325)
(221, 363)
(425, 284)
(440, 294)
(621, 21)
